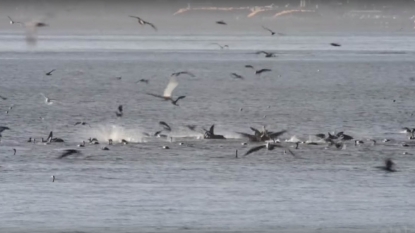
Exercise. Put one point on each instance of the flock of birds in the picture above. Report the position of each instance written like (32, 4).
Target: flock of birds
(269, 140)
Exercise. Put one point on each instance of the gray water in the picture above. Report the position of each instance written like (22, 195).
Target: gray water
(201, 186)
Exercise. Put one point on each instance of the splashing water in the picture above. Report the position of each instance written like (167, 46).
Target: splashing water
(116, 133)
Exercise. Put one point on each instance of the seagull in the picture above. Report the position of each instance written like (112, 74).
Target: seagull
(235, 75)
(258, 72)
(221, 22)
(119, 113)
(267, 54)
(50, 72)
(221, 46)
(165, 126)
(210, 134)
(272, 32)
(2, 128)
(176, 74)
(47, 100)
(249, 66)
(31, 29)
(142, 22)
(174, 102)
(389, 166)
(335, 44)
(82, 144)
(81, 123)
(168, 90)
(3, 98)
(68, 152)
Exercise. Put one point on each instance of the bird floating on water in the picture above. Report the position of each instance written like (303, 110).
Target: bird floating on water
(47, 100)
(389, 166)
(119, 113)
(210, 134)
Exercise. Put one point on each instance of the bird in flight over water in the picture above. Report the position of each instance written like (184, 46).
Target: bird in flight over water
(143, 22)
(50, 72)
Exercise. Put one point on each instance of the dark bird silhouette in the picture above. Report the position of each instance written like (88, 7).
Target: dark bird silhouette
(267, 54)
(272, 32)
(335, 44)
(68, 152)
(143, 22)
(221, 22)
(50, 72)
(174, 102)
(81, 123)
(235, 75)
(14, 151)
(119, 113)
(3, 98)
(389, 166)
(2, 128)
(221, 46)
(143, 81)
(165, 126)
(249, 66)
(168, 90)
(118, 78)
(258, 72)
(183, 72)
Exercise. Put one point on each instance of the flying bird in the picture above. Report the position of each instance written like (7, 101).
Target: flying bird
(221, 46)
(176, 74)
(14, 22)
(335, 44)
(119, 113)
(191, 127)
(68, 152)
(258, 72)
(81, 123)
(47, 100)
(50, 72)
(174, 102)
(272, 32)
(267, 54)
(3, 98)
(165, 126)
(168, 90)
(143, 22)
(221, 22)
(143, 81)
(249, 66)
(235, 75)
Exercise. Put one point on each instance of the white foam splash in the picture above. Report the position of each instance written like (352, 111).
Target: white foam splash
(105, 132)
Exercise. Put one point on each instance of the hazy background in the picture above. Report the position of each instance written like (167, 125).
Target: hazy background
(329, 16)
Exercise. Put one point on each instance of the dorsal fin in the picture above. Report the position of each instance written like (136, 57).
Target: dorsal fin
(49, 137)
(211, 130)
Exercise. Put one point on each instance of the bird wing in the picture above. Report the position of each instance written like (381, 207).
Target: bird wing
(249, 66)
(266, 70)
(188, 73)
(159, 96)
(3, 98)
(255, 130)
(267, 29)
(320, 135)
(51, 71)
(247, 135)
(180, 97)
(170, 87)
(152, 25)
(259, 52)
(165, 125)
(237, 75)
(254, 149)
(67, 153)
(277, 134)
(135, 17)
